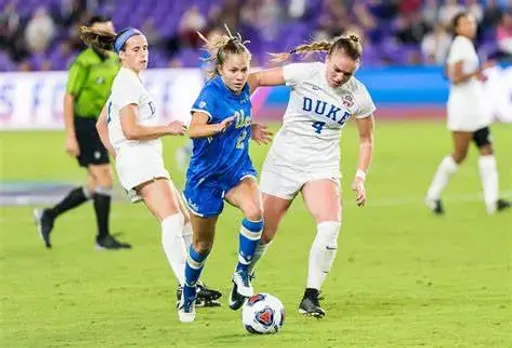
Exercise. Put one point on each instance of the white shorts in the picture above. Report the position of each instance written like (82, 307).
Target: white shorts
(467, 116)
(136, 166)
(286, 183)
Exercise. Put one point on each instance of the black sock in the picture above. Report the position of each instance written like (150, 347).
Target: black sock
(102, 209)
(311, 293)
(72, 200)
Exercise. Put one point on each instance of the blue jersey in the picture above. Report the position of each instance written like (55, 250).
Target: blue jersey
(216, 160)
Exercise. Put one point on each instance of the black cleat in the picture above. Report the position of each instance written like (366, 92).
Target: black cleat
(502, 204)
(236, 301)
(205, 297)
(44, 224)
(310, 306)
(110, 243)
(436, 206)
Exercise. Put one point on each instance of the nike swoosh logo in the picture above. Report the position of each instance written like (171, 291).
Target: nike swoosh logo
(329, 248)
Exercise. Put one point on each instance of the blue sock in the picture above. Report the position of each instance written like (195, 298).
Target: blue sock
(250, 234)
(193, 268)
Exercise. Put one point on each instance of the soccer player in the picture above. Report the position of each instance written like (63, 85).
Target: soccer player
(468, 119)
(305, 154)
(88, 87)
(220, 168)
(130, 129)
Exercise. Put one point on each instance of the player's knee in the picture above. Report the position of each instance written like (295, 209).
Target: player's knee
(253, 212)
(202, 247)
(459, 156)
(486, 150)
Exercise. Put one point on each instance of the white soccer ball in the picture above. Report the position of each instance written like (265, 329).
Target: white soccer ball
(263, 314)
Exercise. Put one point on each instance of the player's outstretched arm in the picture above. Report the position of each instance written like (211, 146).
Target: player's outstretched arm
(102, 128)
(199, 127)
(134, 131)
(365, 127)
(263, 78)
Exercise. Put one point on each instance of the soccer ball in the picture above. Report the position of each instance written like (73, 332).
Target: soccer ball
(263, 314)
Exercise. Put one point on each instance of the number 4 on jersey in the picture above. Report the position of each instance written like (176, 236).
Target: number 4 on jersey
(318, 125)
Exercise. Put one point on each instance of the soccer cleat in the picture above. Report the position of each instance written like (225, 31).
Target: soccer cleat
(242, 280)
(186, 309)
(435, 206)
(110, 243)
(44, 225)
(236, 301)
(310, 306)
(205, 297)
(502, 205)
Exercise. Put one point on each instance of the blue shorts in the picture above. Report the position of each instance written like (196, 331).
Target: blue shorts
(205, 197)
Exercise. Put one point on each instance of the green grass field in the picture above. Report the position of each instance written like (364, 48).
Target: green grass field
(402, 278)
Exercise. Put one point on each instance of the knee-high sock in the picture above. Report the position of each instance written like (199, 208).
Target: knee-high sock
(446, 169)
(489, 177)
(261, 249)
(322, 253)
(74, 198)
(193, 268)
(173, 245)
(250, 234)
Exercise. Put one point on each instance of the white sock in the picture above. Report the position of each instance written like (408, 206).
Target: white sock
(261, 249)
(187, 235)
(446, 169)
(174, 246)
(489, 177)
(322, 253)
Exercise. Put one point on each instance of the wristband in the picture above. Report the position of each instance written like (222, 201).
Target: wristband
(361, 174)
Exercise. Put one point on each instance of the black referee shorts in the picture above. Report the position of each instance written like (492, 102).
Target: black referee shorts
(92, 150)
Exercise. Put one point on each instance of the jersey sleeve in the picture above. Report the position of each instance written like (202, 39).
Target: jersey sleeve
(76, 78)
(366, 105)
(127, 91)
(296, 73)
(205, 103)
(461, 50)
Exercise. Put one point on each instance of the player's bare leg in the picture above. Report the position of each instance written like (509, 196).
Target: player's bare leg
(323, 201)
(247, 197)
(446, 169)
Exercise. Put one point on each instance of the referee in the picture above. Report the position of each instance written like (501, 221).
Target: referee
(89, 81)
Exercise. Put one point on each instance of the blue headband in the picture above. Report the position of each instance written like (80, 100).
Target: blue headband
(121, 39)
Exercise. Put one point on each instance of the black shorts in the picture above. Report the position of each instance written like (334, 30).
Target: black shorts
(92, 150)
(482, 137)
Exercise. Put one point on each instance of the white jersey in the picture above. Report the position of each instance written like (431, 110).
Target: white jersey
(466, 105)
(127, 89)
(309, 138)
(137, 161)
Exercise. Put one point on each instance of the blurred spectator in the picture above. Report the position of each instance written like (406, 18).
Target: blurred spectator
(436, 45)
(40, 31)
(149, 30)
(411, 28)
(269, 15)
(191, 22)
(492, 14)
(409, 6)
(334, 18)
(504, 35)
(475, 8)
(430, 12)
(449, 10)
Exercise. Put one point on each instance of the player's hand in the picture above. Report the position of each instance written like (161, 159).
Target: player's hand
(488, 64)
(177, 128)
(221, 127)
(260, 134)
(72, 147)
(359, 190)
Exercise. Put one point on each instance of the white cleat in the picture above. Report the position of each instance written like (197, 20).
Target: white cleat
(186, 310)
(243, 283)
